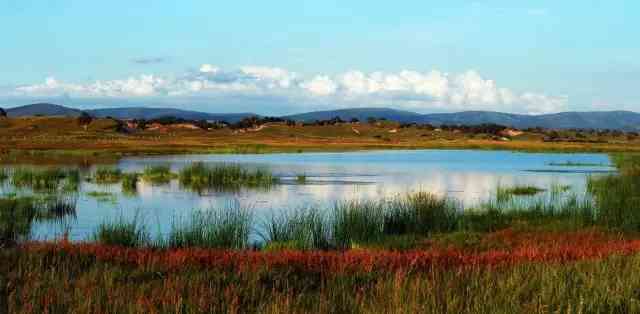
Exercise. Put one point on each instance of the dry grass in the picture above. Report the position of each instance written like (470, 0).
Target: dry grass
(65, 135)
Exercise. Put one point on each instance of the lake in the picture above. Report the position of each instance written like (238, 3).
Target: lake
(469, 176)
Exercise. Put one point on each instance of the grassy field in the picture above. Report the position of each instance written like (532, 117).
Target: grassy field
(61, 140)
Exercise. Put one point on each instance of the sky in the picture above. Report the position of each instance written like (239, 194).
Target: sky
(289, 56)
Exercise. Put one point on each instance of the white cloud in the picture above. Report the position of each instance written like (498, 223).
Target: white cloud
(321, 85)
(421, 91)
(208, 68)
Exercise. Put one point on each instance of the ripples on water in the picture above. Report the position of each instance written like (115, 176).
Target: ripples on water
(471, 177)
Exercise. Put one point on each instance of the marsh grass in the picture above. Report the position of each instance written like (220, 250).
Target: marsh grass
(105, 175)
(102, 196)
(420, 213)
(357, 221)
(47, 179)
(17, 214)
(158, 174)
(130, 183)
(123, 232)
(302, 229)
(226, 177)
(301, 178)
(227, 227)
(4, 175)
(505, 193)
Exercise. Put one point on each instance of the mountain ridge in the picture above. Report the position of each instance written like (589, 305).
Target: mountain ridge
(616, 119)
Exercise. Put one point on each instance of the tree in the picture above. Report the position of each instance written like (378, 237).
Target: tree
(84, 120)
(3, 113)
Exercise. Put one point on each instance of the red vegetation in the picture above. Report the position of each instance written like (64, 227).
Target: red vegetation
(519, 248)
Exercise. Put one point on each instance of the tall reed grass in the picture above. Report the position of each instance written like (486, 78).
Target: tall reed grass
(105, 175)
(47, 179)
(123, 232)
(199, 177)
(225, 227)
(160, 174)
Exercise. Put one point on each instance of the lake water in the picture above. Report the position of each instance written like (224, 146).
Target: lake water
(468, 176)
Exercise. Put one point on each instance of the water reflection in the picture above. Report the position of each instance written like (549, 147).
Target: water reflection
(470, 177)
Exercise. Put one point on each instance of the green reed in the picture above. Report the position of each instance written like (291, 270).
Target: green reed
(225, 227)
(200, 177)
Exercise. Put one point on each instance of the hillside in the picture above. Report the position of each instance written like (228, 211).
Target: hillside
(42, 109)
(621, 120)
(361, 114)
(154, 113)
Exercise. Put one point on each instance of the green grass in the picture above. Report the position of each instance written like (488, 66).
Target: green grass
(302, 229)
(47, 179)
(158, 174)
(199, 177)
(17, 214)
(4, 175)
(105, 175)
(130, 183)
(356, 222)
(505, 193)
(226, 227)
(102, 196)
(123, 232)
(301, 178)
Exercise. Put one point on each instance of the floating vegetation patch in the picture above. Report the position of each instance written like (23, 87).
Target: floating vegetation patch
(158, 174)
(301, 178)
(504, 193)
(46, 180)
(102, 196)
(227, 177)
(130, 183)
(107, 175)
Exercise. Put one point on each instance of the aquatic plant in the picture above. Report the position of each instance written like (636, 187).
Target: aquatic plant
(130, 183)
(505, 193)
(224, 227)
(199, 177)
(4, 175)
(158, 174)
(356, 221)
(420, 213)
(107, 175)
(301, 178)
(47, 179)
(123, 232)
(301, 229)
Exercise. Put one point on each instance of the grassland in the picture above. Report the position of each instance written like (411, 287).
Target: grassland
(61, 140)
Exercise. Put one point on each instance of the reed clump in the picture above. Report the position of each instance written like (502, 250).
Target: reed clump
(123, 232)
(160, 174)
(227, 227)
(47, 179)
(107, 175)
(200, 177)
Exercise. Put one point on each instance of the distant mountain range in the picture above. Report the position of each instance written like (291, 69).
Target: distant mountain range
(45, 109)
(621, 120)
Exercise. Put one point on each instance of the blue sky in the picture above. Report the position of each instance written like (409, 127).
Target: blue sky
(284, 56)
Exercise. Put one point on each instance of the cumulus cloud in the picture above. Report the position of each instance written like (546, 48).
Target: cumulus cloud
(420, 91)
